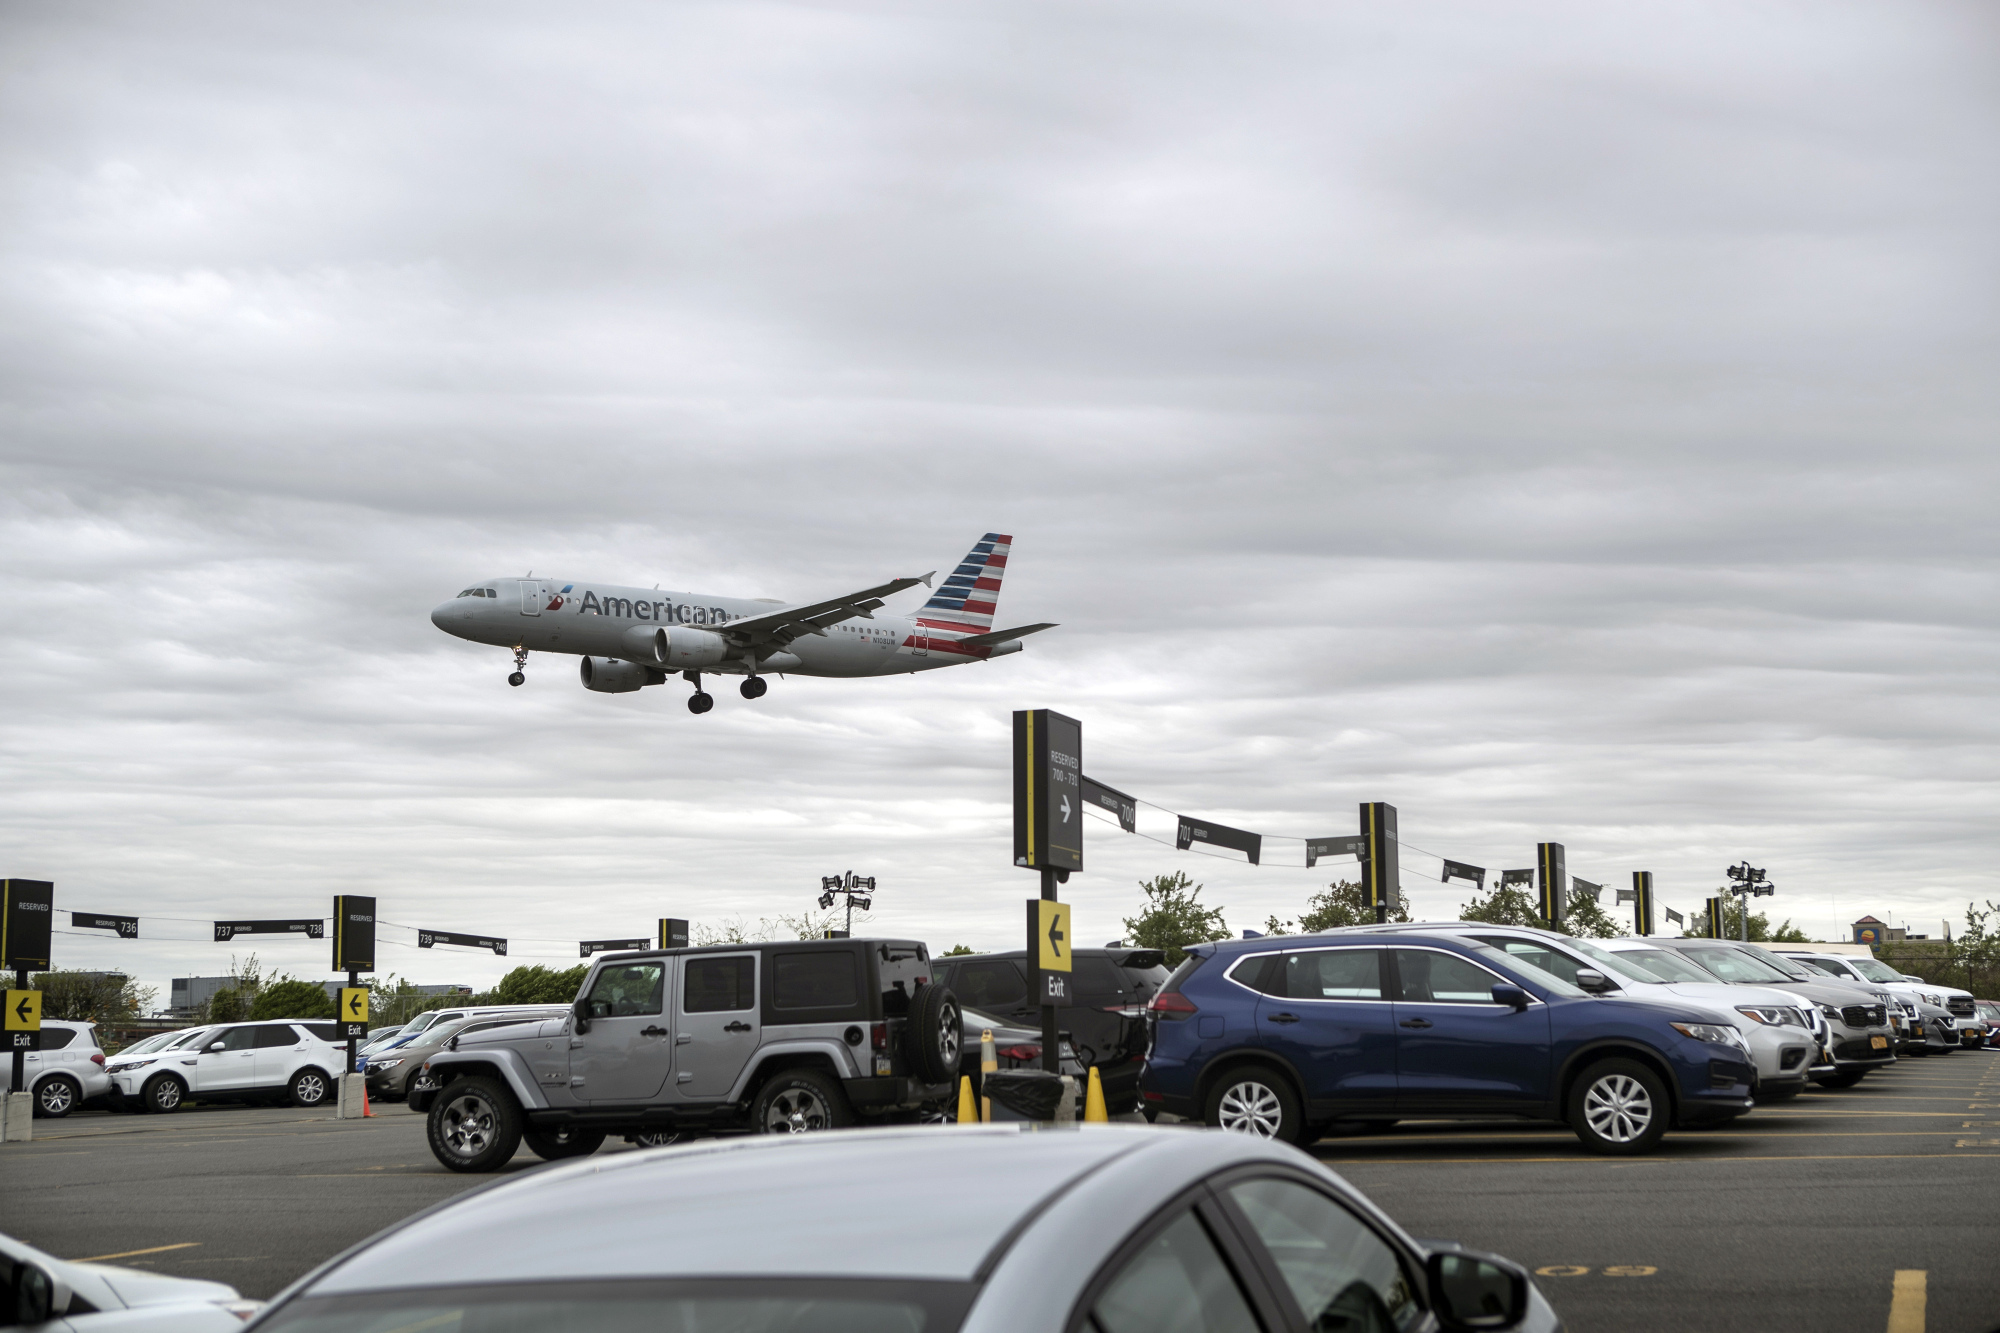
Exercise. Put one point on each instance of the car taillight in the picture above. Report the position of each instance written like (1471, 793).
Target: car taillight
(878, 1036)
(1024, 1051)
(1170, 1005)
(98, 1058)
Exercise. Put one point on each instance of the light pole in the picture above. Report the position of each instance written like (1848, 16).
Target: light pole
(1750, 883)
(852, 887)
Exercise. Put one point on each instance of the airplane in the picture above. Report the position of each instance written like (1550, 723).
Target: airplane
(629, 638)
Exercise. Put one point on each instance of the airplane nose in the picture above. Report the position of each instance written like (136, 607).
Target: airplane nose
(441, 616)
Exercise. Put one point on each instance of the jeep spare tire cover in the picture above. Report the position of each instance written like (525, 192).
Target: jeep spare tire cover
(934, 1035)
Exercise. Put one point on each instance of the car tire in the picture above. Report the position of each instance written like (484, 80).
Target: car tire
(163, 1093)
(309, 1087)
(1256, 1100)
(800, 1101)
(474, 1125)
(553, 1145)
(1619, 1107)
(934, 1034)
(56, 1096)
(1844, 1078)
(660, 1138)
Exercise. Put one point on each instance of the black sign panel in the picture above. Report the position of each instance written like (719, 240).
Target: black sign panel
(126, 926)
(428, 938)
(353, 933)
(1318, 847)
(23, 1041)
(588, 947)
(1191, 831)
(1460, 870)
(1048, 790)
(673, 933)
(1642, 901)
(27, 915)
(309, 926)
(1117, 802)
(1510, 878)
(1381, 863)
(1552, 871)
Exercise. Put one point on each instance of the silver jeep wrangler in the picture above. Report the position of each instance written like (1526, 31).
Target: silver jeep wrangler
(770, 1038)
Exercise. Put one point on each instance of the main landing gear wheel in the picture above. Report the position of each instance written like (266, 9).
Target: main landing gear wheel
(700, 702)
(754, 687)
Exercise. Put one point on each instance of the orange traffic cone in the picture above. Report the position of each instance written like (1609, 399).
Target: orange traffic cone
(364, 1099)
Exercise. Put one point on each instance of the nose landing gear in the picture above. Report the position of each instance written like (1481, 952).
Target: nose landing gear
(520, 660)
(754, 688)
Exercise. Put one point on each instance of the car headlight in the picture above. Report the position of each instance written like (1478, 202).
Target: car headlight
(132, 1065)
(1715, 1032)
(1830, 1012)
(1777, 1016)
(385, 1064)
(1936, 1002)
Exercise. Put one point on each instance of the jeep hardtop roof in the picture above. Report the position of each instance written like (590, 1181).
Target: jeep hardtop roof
(918, 945)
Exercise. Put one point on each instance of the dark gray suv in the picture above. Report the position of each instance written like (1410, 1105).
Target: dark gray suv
(770, 1038)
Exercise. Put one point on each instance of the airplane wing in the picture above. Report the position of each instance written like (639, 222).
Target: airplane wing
(995, 636)
(776, 629)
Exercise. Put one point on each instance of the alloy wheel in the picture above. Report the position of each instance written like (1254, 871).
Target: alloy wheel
(796, 1111)
(949, 1036)
(310, 1090)
(468, 1125)
(1251, 1108)
(56, 1097)
(167, 1095)
(1618, 1108)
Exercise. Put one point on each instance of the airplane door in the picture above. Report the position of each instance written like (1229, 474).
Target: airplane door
(531, 597)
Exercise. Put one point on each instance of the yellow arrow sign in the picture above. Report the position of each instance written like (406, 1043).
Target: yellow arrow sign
(1052, 936)
(24, 1011)
(354, 1004)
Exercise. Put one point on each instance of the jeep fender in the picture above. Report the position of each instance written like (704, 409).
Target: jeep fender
(507, 1064)
(844, 1060)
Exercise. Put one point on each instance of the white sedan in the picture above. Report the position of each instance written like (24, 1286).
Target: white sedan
(43, 1292)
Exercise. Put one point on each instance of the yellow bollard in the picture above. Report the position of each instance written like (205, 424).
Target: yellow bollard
(989, 1063)
(968, 1113)
(1093, 1101)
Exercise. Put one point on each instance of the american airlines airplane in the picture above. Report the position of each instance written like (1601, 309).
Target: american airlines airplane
(630, 638)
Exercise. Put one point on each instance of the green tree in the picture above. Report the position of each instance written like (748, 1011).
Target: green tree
(1341, 903)
(1174, 917)
(225, 1006)
(80, 997)
(957, 949)
(1506, 905)
(288, 997)
(1583, 915)
(1732, 926)
(537, 985)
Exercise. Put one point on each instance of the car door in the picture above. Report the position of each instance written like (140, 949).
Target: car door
(1338, 1272)
(280, 1048)
(717, 1027)
(1183, 1272)
(1326, 1012)
(629, 1050)
(227, 1062)
(1456, 1049)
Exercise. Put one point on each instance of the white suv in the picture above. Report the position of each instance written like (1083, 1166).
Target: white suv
(293, 1059)
(69, 1069)
(1917, 994)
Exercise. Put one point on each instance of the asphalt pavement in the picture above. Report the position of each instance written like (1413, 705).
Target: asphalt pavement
(1799, 1216)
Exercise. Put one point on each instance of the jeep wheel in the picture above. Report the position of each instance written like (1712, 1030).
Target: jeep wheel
(57, 1097)
(474, 1125)
(1257, 1102)
(163, 1093)
(662, 1139)
(936, 1032)
(801, 1101)
(552, 1145)
(310, 1087)
(1619, 1107)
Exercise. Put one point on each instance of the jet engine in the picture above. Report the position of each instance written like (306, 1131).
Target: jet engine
(612, 675)
(681, 646)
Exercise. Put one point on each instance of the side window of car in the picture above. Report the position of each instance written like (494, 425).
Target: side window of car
(719, 985)
(628, 989)
(1547, 959)
(996, 985)
(54, 1039)
(1262, 972)
(326, 1031)
(1334, 974)
(274, 1035)
(1098, 978)
(235, 1039)
(1177, 1283)
(1340, 1272)
(1442, 978)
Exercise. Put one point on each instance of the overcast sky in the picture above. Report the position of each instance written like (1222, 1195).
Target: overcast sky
(1565, 422)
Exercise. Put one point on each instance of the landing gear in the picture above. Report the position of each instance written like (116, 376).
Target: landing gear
(754, 687)
(701, 700)
(516, 678)
(520, 660)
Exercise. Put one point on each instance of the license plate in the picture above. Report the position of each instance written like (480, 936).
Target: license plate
(1878, 1043)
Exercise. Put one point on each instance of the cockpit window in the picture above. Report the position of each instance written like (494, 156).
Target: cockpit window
(491, 593)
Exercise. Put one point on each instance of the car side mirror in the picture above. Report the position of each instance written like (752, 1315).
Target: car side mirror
(39, 1295)
(1474, 1293)
(215, 1046)
(582, 1011)
(1514, 996)
(1590, 979)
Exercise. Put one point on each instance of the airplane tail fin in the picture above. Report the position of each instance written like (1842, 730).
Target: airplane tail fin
(965, 600)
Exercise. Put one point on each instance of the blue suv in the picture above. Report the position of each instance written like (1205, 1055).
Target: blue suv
(1286, 1036)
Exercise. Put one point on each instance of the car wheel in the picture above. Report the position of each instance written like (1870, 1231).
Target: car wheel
(1619, 1107)
(164, 1093)
(552, 1145)
(310, 1088)
(1844, 1078)
(801, 1101)
(1257, 1102)
(661, 1140)
(56, 1097)
(474, 1125)
(935, 1034)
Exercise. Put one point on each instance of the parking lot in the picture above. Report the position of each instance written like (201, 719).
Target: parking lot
(1799, 1216)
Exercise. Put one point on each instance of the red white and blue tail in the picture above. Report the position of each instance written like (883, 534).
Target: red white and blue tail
(964, 601)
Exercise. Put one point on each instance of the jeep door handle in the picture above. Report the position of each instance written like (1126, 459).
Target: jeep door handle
(1415, 1023)
(653, 1032)
(1282, 1018)
(736, 1027)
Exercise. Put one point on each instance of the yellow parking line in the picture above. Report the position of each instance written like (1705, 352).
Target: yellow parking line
(127, 1254)
(1906, 1301)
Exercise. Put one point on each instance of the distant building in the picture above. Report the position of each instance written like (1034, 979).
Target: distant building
(449, 988)
(190, 995)
(1871, 932)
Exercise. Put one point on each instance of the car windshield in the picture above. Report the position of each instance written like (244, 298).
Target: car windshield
(1734, 965)
(152, 1043)
(1874, 970)
(1525, 970)
(1791, 967)
(1665, 965)
(186, 1039)
(703, 1305)
(418, 1024)
(1615, 963)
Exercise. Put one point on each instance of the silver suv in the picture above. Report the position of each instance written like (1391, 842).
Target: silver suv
(770, 1038)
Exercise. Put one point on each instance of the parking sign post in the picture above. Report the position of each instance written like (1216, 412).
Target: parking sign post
(353, 953)
(1048, 837)
(27, 915)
